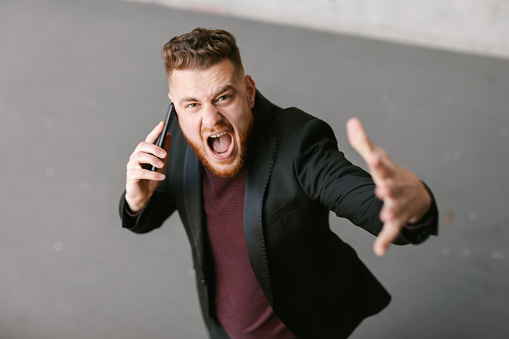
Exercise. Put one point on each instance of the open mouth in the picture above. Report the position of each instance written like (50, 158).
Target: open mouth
(221, 144)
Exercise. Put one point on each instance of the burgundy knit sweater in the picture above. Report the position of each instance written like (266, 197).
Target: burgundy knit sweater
(241, 306)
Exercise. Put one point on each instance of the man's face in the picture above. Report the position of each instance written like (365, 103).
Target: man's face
(214, 112)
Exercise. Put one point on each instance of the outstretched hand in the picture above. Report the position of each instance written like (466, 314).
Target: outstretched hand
(405, 198)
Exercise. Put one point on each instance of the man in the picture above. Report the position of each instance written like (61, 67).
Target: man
(253, 185)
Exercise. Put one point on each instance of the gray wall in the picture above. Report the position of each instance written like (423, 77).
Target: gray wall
(471, 26)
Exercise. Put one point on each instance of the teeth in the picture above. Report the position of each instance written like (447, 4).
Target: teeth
(217, 135)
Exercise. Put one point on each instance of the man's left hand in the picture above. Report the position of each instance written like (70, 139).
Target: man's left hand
(405, 198)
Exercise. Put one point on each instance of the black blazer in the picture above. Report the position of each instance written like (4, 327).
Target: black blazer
(314, 282)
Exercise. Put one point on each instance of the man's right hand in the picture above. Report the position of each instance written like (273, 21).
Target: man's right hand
(141, 182)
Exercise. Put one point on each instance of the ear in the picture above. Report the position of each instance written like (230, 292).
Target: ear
(169, 96)
(250, 91)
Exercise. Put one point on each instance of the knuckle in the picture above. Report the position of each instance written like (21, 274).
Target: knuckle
(133, 173)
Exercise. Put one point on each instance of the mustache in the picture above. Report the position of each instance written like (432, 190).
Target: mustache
(219, 126)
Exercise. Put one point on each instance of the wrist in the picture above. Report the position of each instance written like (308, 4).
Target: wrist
(424, 210)
(134, 206)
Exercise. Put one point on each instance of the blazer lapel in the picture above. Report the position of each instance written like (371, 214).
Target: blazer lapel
(260, 163)
(193, 200)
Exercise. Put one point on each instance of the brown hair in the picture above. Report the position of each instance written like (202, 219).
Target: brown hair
(200, 49)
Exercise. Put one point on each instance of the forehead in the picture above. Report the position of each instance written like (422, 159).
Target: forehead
(204, 81)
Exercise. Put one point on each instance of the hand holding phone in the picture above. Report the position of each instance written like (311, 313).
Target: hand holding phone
(140, 185)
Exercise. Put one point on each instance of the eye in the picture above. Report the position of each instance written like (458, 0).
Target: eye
(224, 97)
(192, 105)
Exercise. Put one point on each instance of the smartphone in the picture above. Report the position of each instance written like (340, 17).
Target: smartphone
(167, 122)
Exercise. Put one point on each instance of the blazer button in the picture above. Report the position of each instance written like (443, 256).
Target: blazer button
(203, 281)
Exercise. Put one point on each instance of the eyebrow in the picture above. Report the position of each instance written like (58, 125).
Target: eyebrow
(218, 92)
(224, 89)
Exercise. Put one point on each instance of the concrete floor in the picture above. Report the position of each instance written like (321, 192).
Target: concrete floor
(81, 83)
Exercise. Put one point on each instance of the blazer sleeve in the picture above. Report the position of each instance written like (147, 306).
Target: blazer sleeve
(347, 190)
(159, 208)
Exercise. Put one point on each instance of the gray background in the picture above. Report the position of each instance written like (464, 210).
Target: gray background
(472, 26)
(81, 83)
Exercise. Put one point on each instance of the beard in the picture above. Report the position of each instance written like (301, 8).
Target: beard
(235, 163)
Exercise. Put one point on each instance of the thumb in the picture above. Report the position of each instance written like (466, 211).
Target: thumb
(359, 139)
(387, 235)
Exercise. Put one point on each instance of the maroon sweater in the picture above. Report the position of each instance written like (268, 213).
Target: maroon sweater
(241, 306)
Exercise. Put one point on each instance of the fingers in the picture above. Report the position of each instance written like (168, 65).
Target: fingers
(379, 163)
(379, 167)
(149, 146)
(137, 174)
(389, 233)
(390, 188)
(148, 149)
(359, 139)
(139, 158)
(394, 214)
(154, 134)
(136, 171)
(146, 153)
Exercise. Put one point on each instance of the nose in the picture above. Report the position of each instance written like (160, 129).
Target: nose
(211, 116)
